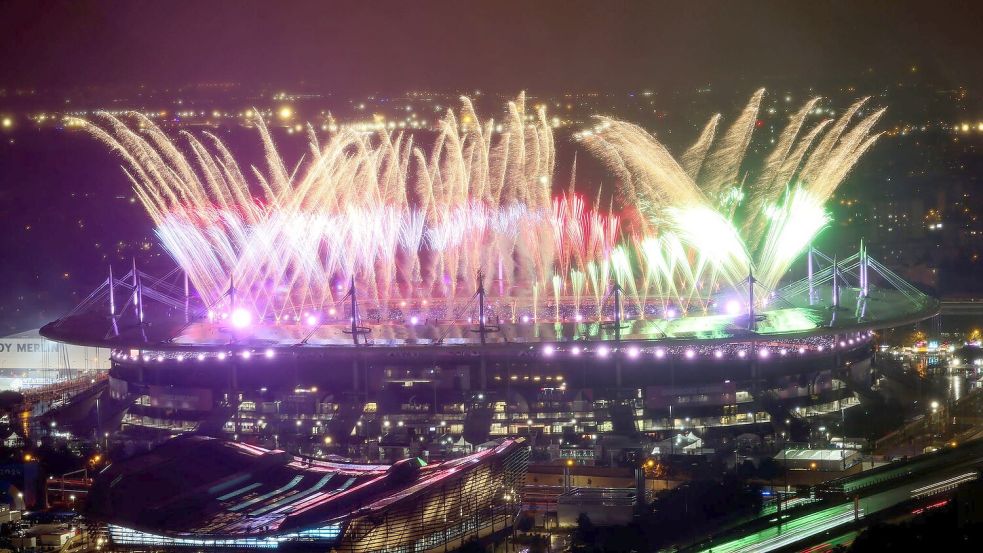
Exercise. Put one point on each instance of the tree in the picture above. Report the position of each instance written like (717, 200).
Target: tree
(525, 523)
(769, 469)
(585, 534)
(537, 544)
(471, 547)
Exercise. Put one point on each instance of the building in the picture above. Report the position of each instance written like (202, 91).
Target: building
(603, 506)
(29, 360)
(823, 460)
(209, 494)
(389, 380)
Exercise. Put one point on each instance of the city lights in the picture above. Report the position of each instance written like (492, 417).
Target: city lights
(315, 290)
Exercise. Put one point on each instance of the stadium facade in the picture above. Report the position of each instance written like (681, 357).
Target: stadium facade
(400, 380)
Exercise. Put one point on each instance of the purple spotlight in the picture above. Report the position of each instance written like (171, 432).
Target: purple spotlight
(783, 351)
(670, 313)
(718, 354)
(603, 351)
(414, 319)
(201, 356)
(660, 353)
(733, 307)
(311, 320)
(633, 352)
(180, 358)
(763, 353)
(575, 350)
(820, 348)
(525, 318)
(270, 353)
(742, 354)
(241, 318)
(246, 354)
(802, 350)
(548, 351)
(578, 317)
(842, 343)
(690, 354)
(221, 356)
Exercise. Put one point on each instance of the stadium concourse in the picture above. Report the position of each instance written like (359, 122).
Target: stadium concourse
(207, 494)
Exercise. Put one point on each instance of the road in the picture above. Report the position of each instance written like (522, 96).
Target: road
(802, 526)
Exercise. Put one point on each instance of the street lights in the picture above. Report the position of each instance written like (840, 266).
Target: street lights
(784, 465)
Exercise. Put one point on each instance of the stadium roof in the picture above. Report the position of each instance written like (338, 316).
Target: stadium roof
(193, 487)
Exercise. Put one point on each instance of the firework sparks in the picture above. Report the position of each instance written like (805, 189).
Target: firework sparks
(415, 224)
(738, 223)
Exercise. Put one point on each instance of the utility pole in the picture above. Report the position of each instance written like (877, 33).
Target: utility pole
(112, 295)
(750, 300)
(617, 313)
(864, 284)
(232, 294)
(354, 300)
(137, 293)
(187, 299)
(481, 308)
(812, 291)
(617, 333)
(483, 329)
(112, 301)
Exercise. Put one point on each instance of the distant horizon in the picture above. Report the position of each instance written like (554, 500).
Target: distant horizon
(352, 47)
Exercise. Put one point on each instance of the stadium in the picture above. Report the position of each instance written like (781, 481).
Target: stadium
(384, 300)
(420, 384)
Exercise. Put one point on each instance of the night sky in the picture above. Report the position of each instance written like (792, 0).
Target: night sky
(64, 202)
(356, 47)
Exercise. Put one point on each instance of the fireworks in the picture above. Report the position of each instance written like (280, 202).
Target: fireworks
(415, 224)
(737, 222)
